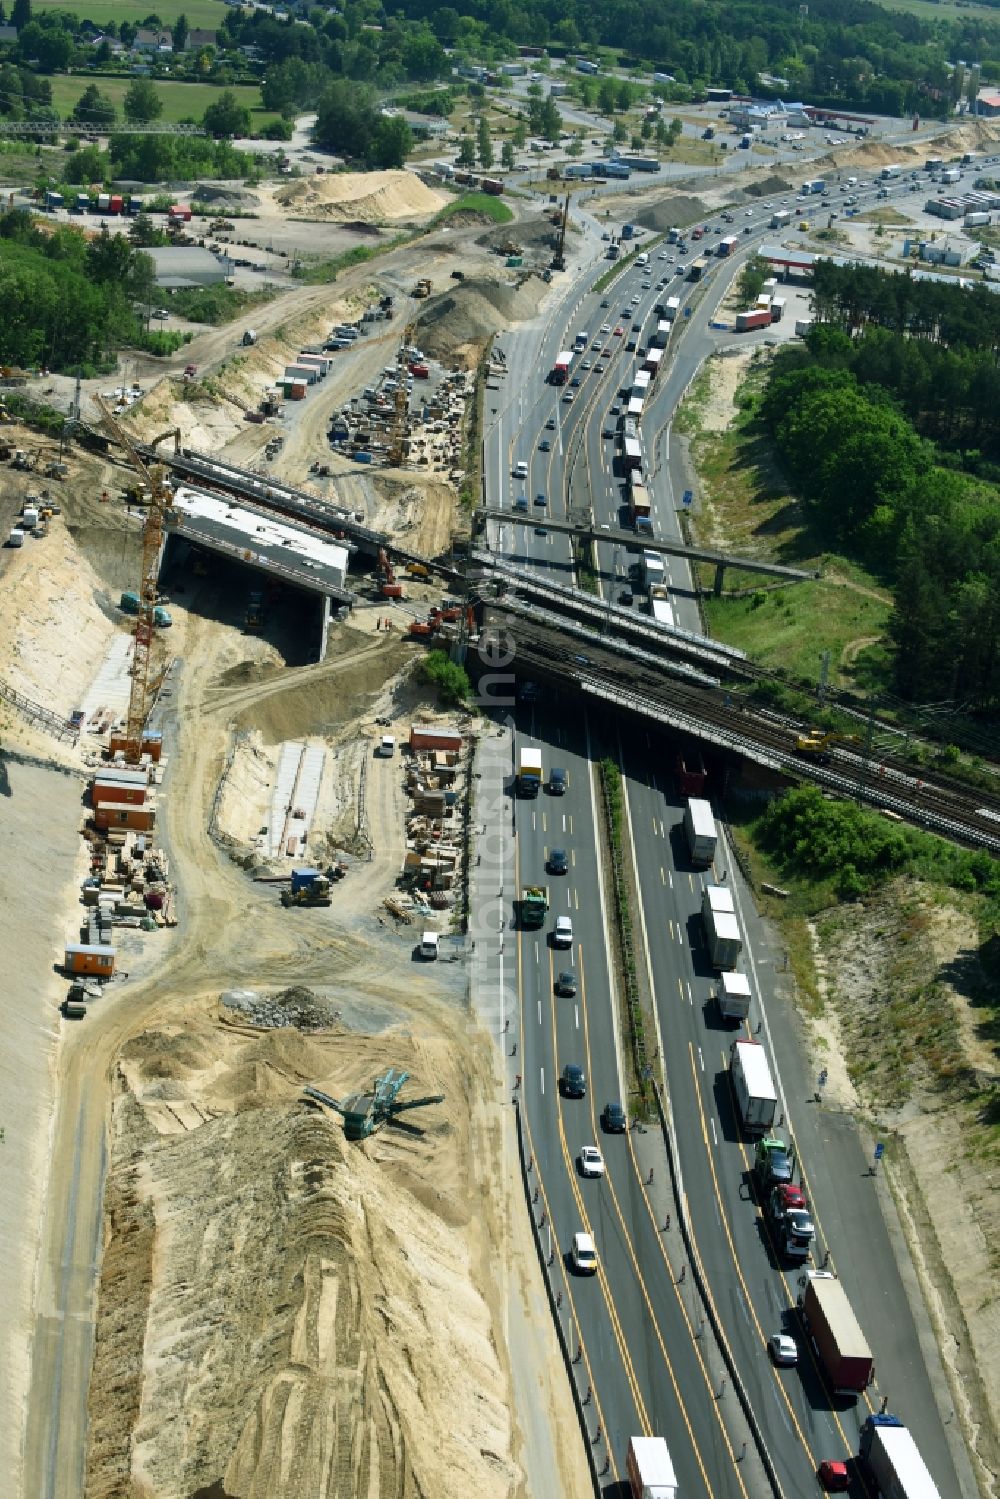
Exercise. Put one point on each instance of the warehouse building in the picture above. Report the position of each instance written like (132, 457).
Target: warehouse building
(183, 266)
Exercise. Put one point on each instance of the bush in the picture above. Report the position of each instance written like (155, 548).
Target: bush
(451, 680)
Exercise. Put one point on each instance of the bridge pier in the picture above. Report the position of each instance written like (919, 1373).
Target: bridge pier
(324, 632)
(720, 572)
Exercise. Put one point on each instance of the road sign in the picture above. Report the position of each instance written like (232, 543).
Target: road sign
(823, 1078)
(688, 497)
(687, 312)
(879, 1151)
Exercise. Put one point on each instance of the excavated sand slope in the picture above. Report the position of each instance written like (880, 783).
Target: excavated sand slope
(283, 1313)
(372, 197)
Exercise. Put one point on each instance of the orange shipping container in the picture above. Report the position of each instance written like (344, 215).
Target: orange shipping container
(121, 815)
(152, 745)
(427, 737)
(116, 791)
(99, 961)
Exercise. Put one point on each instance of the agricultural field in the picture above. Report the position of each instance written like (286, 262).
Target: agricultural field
(943, 10)
(203, 15)
(181, 101)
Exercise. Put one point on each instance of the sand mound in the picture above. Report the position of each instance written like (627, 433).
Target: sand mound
(319, 1329)
(472, 312)
(372, 197)
(675, 208)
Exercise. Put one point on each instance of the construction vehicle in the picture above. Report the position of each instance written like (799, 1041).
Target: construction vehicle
(308, 888)
(254, 618)
(161, 495)
(815, 745)
(175, 433)
(364, 1113)
(385, 578)
(22, 459)
(534, 907)
(423, 288)
(418, 570)
(529, 771)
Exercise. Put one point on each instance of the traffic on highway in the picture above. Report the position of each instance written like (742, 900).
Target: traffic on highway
(720, 1273)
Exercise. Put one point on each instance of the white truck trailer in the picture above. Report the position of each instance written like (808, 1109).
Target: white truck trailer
(650, 1469)
(722, 930)
(699, 830)
(751, 1078)
(893, 1460)
(733, 994)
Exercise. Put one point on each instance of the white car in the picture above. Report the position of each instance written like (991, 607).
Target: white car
(605, 327)
(662, 255)
(161, 312)
(584, 1254)
(585, 365)
(591, 1161)
(562, 936)
(783, 1349)
(568, 398)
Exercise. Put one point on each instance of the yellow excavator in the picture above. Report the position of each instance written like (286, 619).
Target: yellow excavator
(815, 744)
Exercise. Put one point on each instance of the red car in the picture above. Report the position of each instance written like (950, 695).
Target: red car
(788, 1196)
(619, 331)
(834, 1477)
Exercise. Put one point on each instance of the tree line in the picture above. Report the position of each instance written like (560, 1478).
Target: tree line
(68, 302)
(882, 474)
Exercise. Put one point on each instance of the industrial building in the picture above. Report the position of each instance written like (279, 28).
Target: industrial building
(181, 266)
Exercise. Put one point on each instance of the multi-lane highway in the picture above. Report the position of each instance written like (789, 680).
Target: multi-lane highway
(645, 1332)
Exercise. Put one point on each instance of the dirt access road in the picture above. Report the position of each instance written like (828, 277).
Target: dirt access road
(230, 934)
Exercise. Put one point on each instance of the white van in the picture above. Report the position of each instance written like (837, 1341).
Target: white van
(642, 259)
(429, 945)
(387, 746)
(520, 469)
(563, 934)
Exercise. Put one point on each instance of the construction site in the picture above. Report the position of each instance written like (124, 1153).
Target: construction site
(259, 809)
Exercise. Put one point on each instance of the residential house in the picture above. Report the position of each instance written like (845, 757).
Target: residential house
(198, 38)
(152, 42)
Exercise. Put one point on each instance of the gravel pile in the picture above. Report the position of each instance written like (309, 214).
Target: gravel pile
(296, 1007)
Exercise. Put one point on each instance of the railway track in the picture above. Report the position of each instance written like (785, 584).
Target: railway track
(732, 722)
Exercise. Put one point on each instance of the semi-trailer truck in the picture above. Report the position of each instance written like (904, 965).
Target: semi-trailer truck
(834, 1332)
(560, 370)
(760, 317)
(529, 771)
(722, 930)
(638, 503)
(700, 832)
(780, 218)
(650, 1470)
(751, 1079)
(892, 1460)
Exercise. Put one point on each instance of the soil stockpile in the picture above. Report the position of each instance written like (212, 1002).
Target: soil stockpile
(675, 209)
(286, 1313)
(372, 197)
(472, 312)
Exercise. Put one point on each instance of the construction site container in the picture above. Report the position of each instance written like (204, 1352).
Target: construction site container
(16, 538)
(429, 737)
(110, 789)
(318, 362)
(103, 202)
(117, 204)
(307, 372)
(98, 960)
(151, 744)
(296, 390)
(29, 518)
(122, 815)
(180, 211)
